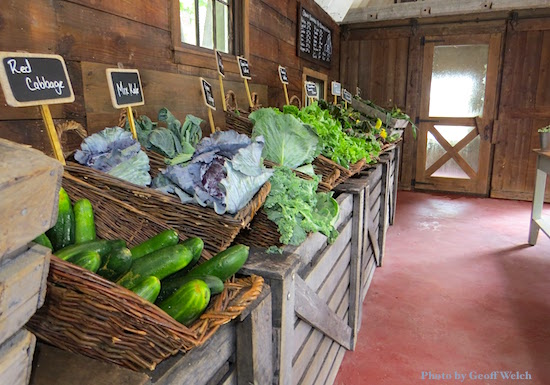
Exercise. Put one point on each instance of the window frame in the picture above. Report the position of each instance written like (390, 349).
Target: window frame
(308, 72)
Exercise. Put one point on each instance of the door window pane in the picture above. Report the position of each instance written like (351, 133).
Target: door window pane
(458, 80)
(206, 27)
(451, 169)
(222, 27)
(470, 153)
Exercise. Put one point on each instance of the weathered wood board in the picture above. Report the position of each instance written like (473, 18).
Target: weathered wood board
(16, 356)
(29, 186)
(22, 288)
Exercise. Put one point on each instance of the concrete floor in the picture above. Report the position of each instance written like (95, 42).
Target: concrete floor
(461, 293)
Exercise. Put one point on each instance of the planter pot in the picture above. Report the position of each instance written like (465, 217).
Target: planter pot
(545, 141)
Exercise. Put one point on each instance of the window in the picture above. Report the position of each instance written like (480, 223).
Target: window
(320, 81)
(208, 24)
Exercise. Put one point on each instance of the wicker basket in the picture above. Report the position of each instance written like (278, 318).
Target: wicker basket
(87, 314)
(148, 209)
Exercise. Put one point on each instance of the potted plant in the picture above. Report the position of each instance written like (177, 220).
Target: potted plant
(544, 134)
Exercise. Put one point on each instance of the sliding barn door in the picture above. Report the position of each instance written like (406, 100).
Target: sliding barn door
(457, 110)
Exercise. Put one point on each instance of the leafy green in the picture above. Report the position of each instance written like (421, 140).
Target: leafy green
(288, 142)
(297, 209)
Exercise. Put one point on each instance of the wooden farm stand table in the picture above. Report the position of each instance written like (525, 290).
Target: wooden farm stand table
(537, 221)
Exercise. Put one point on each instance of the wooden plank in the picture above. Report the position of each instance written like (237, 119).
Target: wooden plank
(29, 186)
(543, 87)
(315, 275)
(231, 379)
(368, 275)
(254, 346)
(269, 20)
(311, 308)
(335, 366)
(16, 358)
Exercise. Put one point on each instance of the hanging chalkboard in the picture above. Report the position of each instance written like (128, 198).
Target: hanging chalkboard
(244, 68)
(283, 75)
(219, 61)
(346, 95)
(125, 87)
(314, 39)
(311, 90)
(29, 79)
(336, 88)
(207, 94)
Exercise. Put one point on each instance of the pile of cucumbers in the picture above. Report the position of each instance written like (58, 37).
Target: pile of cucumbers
(162, 269)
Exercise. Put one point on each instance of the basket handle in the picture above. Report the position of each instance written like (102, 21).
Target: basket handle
(62, 130)
(255, 101)
(231, 101)
(296, 99)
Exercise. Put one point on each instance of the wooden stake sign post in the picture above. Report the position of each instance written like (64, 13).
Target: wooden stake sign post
(126, 92)
(346, 95)
(311, 91)
(221, 75)
(284, 79)
(336, 90)
(244, 69)
(208, 97)
(29, 79)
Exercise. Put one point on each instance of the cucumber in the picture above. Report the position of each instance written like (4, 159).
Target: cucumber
(188, 302)
(43, 240)
(223, 265)
(148, 289)
(161, 240)
(90, 260)
(115, 263)
(160, 263)
(84, 221)
(101, 246)
(62, 233)
(196, 245)
(170, 285)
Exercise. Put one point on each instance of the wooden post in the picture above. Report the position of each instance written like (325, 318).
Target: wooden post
(286, 94)
(250, 103)
(345, 105)
(223, 93)
(52, 133)
(335, 100)
(310, 101)
(211, 120)
(130, 116)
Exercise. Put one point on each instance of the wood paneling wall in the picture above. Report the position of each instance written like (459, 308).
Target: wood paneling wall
(95, 34)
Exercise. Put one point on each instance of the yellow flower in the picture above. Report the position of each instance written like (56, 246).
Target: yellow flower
(383, 133)
(378, 124)
(357, 121)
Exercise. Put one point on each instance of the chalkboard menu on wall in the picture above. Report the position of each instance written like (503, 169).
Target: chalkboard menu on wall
(314, 39)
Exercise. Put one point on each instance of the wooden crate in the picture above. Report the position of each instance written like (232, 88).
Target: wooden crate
(22, 288)
(16, 358)
(239, 353)
(373, 112)
(374, 211)
(394, 181)
(315, 301)
(29, 186)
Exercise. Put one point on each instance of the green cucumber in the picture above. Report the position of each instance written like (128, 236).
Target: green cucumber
(196, 245)
(160, 263)
(115, 263)
(188, 302)
(84, 221)
(148, 289)
(101, 246)
(161, 240)
(43, 240)
(171, 284)
(224, 264)
(62, 233)
(90, 260)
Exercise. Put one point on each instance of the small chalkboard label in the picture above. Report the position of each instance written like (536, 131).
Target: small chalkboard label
(219, 61)
(283, 75)
(207, 94)
(336, 88)
(243, 67)
(311, 90)
(29, 79)
(125, 87)
(346, 95)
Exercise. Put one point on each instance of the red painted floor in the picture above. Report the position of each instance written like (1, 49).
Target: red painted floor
(460, 293)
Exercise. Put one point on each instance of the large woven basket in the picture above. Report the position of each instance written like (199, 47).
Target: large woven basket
(154, 207)
(87, 314)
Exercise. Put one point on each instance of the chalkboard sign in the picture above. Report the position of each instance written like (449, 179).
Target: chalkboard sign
(243, 67)
(336, 88)
(29, 79)
(125, 87)
(219, 61)
(207, 94)
(311, 90)
(346, 95)
(314, 39)
(283, 75)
